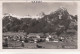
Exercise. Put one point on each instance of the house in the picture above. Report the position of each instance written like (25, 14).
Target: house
(54, 36)
(56, 40)
(34, 35)
(47, 39)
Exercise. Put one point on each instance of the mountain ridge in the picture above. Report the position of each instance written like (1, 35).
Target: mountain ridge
(58, 21)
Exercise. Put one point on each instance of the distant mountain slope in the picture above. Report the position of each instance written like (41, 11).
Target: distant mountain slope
(58, 21)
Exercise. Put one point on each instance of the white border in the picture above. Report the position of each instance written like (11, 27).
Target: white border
(38, 50)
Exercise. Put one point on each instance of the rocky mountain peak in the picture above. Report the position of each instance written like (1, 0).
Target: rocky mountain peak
(62, 8)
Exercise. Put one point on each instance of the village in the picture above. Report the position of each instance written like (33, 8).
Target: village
(39, 40)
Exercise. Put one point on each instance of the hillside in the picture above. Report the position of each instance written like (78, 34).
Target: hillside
(58, 21)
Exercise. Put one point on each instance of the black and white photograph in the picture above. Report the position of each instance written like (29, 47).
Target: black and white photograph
(39, 25)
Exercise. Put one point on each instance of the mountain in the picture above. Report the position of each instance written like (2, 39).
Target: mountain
(57, 18)
(58, 21)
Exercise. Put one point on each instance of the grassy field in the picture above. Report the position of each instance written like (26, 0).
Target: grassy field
(45, 45)
(68, 43)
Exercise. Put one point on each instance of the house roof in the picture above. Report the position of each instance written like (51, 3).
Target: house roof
(35, 34)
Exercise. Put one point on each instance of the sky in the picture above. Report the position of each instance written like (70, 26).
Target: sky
(33, 9)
